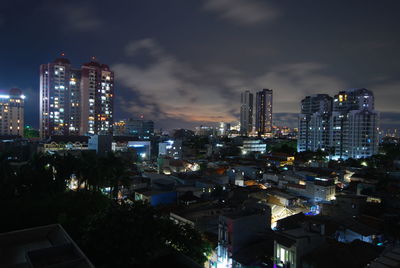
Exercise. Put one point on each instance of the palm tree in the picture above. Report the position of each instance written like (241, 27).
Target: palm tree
(90, 171)
(115, 171)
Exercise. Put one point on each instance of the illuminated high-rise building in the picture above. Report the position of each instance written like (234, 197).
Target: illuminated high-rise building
(97, 90)
(264, 112)
(75, 101)
(74, 116)
(246, 113)
(12, 112)
(345, 126)
(314, 123)
(354, 125)
(54, 97)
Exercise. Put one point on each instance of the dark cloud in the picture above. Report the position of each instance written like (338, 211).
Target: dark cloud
(180, 90)
(244, 12)
(386, 96)
(389, 120)
(285, 119)
(73, 15)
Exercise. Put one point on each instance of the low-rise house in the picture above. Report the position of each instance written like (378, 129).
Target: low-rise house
(155, 198)
(351, 230)
(291, 245)
(238, 229)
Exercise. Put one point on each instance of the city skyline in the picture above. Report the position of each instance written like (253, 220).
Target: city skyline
(187, 71)
(203, 133)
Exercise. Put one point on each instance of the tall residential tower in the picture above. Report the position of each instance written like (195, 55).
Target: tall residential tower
(55, 97)
(346, 127)
(264, 112)
(246, 113)
(314, 123)
(354, 124)
(75, 101)
(97, 90)
(12, 112)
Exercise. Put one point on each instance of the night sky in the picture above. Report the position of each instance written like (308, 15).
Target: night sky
(184, 63)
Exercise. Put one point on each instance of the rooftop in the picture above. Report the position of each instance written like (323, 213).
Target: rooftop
(243, 213)
(45, 246)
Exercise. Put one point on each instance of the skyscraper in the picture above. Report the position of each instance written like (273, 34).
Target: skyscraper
(54, 97)
(97, 90)
(12, 112)
(75, 101)
(314, 123)
(246, 113)
(264, 112)
(354, 125)
(346, 127)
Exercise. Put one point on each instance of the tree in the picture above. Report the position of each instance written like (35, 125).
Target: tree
(286, 147)
(134, 236)
(115, 173)
(38, 177)
(29, 132)
(8, 178)
(71, 209)
(90, 171)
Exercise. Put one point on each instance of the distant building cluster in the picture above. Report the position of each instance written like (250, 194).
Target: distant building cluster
(143, 129)
(345, 126)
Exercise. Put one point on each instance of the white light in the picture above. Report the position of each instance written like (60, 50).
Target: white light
(23, 97)
(4, 96)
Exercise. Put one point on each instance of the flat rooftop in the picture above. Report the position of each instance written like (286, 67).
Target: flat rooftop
(41, 247)
(299, 232)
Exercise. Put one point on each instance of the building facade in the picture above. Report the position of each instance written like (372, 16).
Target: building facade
(12, 112)
(264, 112)
(246, 113)
(75, 101)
